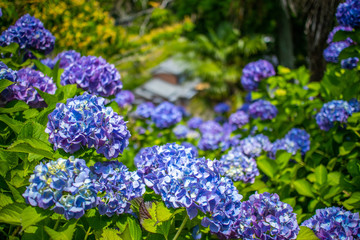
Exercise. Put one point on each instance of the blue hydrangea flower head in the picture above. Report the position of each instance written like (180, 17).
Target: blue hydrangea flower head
(65, 185)
(333, 111)
(283, 144)
(124, 98)
(29, 33)
(23, 88)
(222, 107)
(85, 121)
(66, 58)
(335, 30)
(238, 166)
(254, 72)
(252, 146)
(181, 131)
(211, 135)
(194, 150)
(349, 63)
(239, 119)
(93, 74)
(348, 13)
(354, 104)
(145, 109)
(332, 52)
(334, 223)
(264, 216)
(165, 115)
(116, 187)
(194, 122)
(300, 137)
(262, 109)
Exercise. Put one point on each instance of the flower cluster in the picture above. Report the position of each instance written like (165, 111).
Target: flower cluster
(116, 187)
(85, 121)
(239, 167)
(334, 111)
(181, 131)
(350, 63)
(94, 75)
(262, 109)
(26, 80)
(222, 108)
(332, 52)
(264, 216)
(65, 184)
(29, 33)
(348, 13)
(335, 30)
(254, 72)
(194, 122)
(7, 73)
(66, 58)
(145, 109)
(334, 223)
(354, 104)
(194, 151)
(124, 98)
(211, 135)
(252, 146)
(166, 115)
(239, 119)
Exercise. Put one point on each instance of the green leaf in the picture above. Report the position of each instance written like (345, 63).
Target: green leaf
(110, 234)
(282, 158)
(153, 224)
(353, 201)
(14, 106)
(97, 221)
(31, 113)
(11, 214)
(353, 167)
(4, 83)
(32, 215)
(268, 166)
(162, 212)
(31, 145)
(65, 233)
(48, 98)
(12, 48)
(32, 129)
(69, 91)
(134, 227)
(303, 187)
(306, 234)
(334, 191)
(16, 194)
(5, 200)
(12, 123)
(7, 161)
(346, 148)
(321, 175)
(34, 232)
(43, 68)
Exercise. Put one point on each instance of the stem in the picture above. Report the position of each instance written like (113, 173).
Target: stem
(87, 233)
(16, 231)
(57, 223)
(180, 228)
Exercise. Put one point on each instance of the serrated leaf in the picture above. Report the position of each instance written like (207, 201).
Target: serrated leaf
(14, 106)
(16, 194)
(12, 123)
(97, 221)
(31, 215)
(134, 228)
(303, 187)
(35, 130)
(31, 145)
(11, 213)
(31, 113)
(4, 83)
(320, 175)
(48, 98)
(282, 158)
(7, 161)
(353, 201)
(5, 200)
(11, 48)
(306, 234)
(110, 234)
(65, 233)
(162, 212)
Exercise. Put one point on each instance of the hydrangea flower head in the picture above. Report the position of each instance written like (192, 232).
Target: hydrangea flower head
(239, 119)
(29, 33)
(264, 216)
(181, 131)
(252, 146)
(65, 184)
(145, 109)
(212, 135)
(333, 111)
(222, 108)
(350, 63)
(23, 88)
(334, 223)
(116, 187)
(85, 121)
(262, 109)
(335, 30)
(124, 98)
(300, 137)
(332, 52)
(355, 105)
(194, 122)
(254, 72)
(239, 167)
(66, 58)
(348, 13)
(165, 115)
(93, 74)
(194, 150)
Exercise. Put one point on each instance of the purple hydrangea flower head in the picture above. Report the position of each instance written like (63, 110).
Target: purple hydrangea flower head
(165, 115)
(264, 216)
(355, 105)
(7, 73)
(181, 131)
(332, 52)
(333, 111)
(222, 107)
(210, 126)
(334, 223)
(124, 98)
(239, 167)
(335, 30)
(65, 184)
(145, 109)
(350, 63)
(252, 146)
(348, 13)
(66, 58)
(23, 88)
(93, 74)
(254, 72)
(1, 14)
(116, 187)
(212, 134)
(194, 150)
(239, 119)
(283, 144)
(183, 111)
(194, 122)
(262, 109)
(85, 121)
(29, 33)
(244, 108)
(301, 138)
